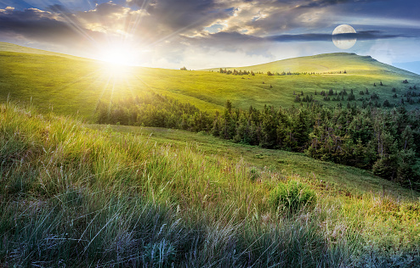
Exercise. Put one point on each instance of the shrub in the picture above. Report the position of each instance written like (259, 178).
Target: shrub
(254, 174)
(292, 196)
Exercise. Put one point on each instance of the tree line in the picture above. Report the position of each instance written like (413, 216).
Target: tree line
(385, 141)
(153, 110)
(269, 73)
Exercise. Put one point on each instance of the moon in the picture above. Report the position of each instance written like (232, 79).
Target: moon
(340, 40)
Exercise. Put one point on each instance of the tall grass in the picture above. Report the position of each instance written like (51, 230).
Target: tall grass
(72, 196)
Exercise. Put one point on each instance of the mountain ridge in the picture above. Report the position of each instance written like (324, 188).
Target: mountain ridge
(322, 63)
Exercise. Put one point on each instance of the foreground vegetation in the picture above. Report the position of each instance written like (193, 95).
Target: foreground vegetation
(76, 196)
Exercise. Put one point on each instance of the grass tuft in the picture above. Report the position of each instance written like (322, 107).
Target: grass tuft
(292, 196)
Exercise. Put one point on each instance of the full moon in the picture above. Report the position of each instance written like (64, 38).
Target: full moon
(340, 40)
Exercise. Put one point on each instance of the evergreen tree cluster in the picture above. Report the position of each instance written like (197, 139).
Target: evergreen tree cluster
(386, 141)
(382, 140)
(153, 110)
(236, 72)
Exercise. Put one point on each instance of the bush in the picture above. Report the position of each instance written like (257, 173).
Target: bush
(254, 174)
(292, 196)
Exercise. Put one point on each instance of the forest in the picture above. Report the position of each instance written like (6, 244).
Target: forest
(385, 141)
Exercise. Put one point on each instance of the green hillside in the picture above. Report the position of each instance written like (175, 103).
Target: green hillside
(327, 63)
(8, 47)
(80, 195)
(70, 85)
(76, 194)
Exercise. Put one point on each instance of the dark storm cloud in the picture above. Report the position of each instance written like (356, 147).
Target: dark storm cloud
(228, 39)
(373, 35)
(408, 9)
(231, 41)
(324, 3)
(174, 17)
(32, 23)
(184, 14)
(42, 26)
(363, 35)
(307, 15)
(300, 38)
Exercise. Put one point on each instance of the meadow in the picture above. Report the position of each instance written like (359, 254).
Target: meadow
(76, 194)
(70, 85)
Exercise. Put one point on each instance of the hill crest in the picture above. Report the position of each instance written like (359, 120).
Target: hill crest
(323, 63)
(9, 47)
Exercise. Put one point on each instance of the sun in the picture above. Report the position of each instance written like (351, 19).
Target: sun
(117, 59)
(118, 55)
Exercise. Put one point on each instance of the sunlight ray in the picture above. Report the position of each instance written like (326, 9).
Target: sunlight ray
(112, 95)
(144, 83)
(75, 25)
(175, 33)
(138, 18)
(131, 87)
(83, 78)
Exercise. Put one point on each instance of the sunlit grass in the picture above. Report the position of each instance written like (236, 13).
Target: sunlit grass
(70, 85)
(75, 196)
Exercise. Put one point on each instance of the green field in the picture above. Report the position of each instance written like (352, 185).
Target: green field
(77, 194)
(346, 180)
(70, 85)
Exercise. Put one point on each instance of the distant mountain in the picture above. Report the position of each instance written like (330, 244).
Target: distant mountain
(324, 63)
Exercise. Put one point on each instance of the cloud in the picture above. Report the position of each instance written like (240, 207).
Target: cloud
(362, 35)
(232, 40)
(173, 15)
(373, 35)
(108, 18)
(324, 3)
(179, 29)
(48, 28)
(33, 23)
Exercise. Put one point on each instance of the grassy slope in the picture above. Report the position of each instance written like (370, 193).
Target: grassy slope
(69, 84)
(324, 63)
(345, 180)
(27, 50)
(82, 196)
(79, 196)
(66, 85)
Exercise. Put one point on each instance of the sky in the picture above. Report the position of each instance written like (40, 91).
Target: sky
(201, 34)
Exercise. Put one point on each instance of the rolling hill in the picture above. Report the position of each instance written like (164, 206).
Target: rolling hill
(327, 63)
(78, 194)
(70, 85)
(8, 47)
